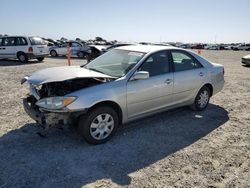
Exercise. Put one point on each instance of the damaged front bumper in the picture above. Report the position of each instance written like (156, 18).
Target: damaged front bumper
(48, 119)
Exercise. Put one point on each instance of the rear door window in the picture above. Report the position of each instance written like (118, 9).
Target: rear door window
(74, 44)
(8, 41)
(183, 61)
(21, 41)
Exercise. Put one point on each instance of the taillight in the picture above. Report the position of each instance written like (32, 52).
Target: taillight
(30, 50)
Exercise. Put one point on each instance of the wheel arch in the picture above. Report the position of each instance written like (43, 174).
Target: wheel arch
(20, 52)
(53, 50)
(111, 104)
(210, 88)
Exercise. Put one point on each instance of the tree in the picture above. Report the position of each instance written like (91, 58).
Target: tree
(99, 39)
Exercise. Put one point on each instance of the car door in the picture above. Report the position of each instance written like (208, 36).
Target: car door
(21, 44)
(153, 93)
(7, 49)
(189, 76)
(62, 50)
(75, 48)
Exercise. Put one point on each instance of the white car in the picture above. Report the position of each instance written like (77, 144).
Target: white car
(77, 49)
(246, 60)
(212, 47)
(23, 48)
(242, 47)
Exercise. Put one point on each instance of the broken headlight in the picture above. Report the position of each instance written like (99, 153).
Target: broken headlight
(55, 103)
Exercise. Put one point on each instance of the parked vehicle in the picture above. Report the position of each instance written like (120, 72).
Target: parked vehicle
(185, 46)
(212, 47)
(122, 85)
(77, 49)
(197, 46)
(23, 48)
(246, 60)
(115, 46)
(229, 47)
(242, 47)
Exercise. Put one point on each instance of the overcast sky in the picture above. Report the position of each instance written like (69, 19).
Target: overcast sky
(129, 20)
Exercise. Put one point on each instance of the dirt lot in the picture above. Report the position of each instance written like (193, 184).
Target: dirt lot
(179, 148)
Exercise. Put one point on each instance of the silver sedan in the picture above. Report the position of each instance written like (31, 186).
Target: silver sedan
(121, 85)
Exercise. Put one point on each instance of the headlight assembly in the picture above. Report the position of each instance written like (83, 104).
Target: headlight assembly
(55, 103)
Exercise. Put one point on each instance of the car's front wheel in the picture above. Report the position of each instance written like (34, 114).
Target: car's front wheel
(201, 99)
(99, 125)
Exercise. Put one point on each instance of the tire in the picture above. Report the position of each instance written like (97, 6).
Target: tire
(99, 125)
(22, 57)
(53, 53)
(202, 99)
(40, 59)
(81, 55)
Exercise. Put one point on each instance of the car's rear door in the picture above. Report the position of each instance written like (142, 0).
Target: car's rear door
(189, 76)
(21, 44)
(62, 50)
(75, 48)
(7, 49)
(153, 93)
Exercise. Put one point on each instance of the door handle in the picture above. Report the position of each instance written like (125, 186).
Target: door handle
(201, 74)
(168, 81)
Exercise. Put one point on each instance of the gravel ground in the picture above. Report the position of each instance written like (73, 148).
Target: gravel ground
(178, 148)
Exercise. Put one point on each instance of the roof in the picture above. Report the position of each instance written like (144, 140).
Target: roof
(146, 48)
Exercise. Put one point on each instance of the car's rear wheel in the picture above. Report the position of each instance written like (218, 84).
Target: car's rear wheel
(202, 99)
(53, 53)
(99, 125)
(40, 59)
(22, 57)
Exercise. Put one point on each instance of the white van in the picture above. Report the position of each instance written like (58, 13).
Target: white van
(23, 48)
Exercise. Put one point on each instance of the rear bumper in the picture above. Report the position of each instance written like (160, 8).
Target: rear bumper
(218, 86)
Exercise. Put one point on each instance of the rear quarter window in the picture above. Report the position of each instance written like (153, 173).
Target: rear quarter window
(183, 61)
(37, 41)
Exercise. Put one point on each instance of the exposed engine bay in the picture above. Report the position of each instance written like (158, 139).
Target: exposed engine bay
(68, 86)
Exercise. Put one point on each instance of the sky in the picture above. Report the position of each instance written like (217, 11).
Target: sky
(208, 21)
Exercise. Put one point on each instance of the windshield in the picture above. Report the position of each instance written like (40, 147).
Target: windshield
(116, 62)
(36, 41)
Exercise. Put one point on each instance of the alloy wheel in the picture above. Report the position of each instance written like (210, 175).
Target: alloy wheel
(203, 99)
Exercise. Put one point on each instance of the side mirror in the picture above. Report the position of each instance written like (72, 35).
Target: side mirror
(140, 75)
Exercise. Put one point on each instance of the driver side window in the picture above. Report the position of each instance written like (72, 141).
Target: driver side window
(156, 64)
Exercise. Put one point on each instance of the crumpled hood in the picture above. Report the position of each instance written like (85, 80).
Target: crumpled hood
(57, 74)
